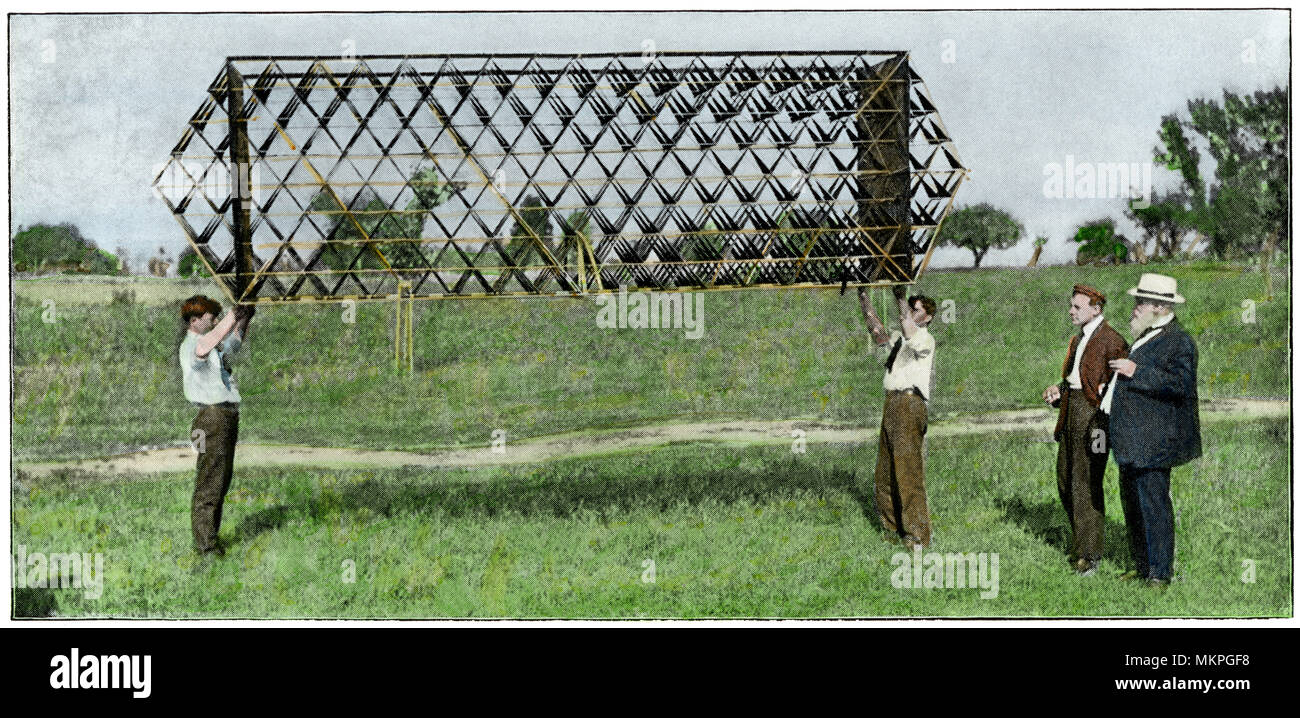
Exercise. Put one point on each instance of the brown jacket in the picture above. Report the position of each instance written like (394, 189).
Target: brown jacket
(1094, 368)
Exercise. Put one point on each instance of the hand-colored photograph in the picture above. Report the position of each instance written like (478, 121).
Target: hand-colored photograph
(650, 315)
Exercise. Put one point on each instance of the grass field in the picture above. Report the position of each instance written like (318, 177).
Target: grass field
(104, 378)
(734, 533)
(722, 530)
(89, 290)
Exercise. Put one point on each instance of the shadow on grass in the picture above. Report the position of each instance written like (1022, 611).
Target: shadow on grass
(562, 491)
(1047, 522)
(33, 603)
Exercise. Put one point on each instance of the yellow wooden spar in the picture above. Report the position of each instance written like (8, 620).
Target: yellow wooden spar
(397, 178)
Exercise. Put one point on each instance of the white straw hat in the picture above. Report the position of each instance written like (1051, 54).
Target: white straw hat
(1158, 286)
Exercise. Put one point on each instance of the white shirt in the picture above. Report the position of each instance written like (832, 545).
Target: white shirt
(205, 380)
(914, 363)
(1073, 379)
(1155, 329)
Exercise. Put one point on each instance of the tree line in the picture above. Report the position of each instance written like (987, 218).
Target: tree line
(60, 248)
(1240, 211)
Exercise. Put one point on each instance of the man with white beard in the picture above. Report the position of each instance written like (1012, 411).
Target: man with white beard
(1154, 423)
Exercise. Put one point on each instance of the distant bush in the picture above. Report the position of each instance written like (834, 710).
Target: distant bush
(46, 248)
(1099, 244)
(190, 264)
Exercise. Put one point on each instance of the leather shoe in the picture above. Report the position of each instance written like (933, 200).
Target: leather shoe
(216, 550)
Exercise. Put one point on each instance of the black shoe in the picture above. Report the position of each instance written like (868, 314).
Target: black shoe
(214, 550)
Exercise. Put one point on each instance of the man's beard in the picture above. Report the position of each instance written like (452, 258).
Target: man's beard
(1142, 323)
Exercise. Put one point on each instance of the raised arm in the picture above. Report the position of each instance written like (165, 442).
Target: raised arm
(874, 324)
(244, 315)
(209, 341)
(905, 322)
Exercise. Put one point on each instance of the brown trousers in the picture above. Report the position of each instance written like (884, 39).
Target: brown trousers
(1079, 475)
(900, 467)
(216, 444)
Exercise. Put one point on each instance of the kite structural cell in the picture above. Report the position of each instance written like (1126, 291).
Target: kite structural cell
(324, 179)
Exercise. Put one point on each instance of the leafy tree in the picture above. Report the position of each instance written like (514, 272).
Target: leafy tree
(60, 248)
(429, 190)
(707, 246)
(980, 228)
(1164, 221)
(536, 217)
(1180, 156)
(371, 218)
(1245, 208)
(189, 264)
(1247, 137)
(1169, 219)
(344, 229)
(1099, 243)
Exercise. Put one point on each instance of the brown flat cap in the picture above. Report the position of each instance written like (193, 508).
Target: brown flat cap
(1089, 292)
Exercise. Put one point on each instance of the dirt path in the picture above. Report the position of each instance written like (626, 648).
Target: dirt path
(545, 448)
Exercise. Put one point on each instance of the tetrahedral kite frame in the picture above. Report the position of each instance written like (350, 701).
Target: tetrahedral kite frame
(453, 176)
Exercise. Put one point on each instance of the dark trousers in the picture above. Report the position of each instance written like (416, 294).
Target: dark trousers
(219, 427)
(1149, 513)
(900, 467)
(1079, 475)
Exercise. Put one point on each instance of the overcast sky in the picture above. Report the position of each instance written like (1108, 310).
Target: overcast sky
(98, 101)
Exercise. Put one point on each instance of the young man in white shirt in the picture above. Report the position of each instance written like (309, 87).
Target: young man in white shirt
(209, 385)
(908, 355)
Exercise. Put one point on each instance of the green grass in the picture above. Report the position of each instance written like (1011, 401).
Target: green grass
(104, 378)
(732, 533)
(90, 290)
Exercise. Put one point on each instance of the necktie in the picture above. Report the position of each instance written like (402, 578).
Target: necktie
(225, 370)
(1069, 359)
(893, 354)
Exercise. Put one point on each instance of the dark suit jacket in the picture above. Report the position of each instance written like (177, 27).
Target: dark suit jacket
(1155, 415)
(1094, 368)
